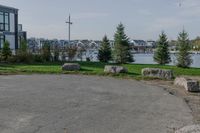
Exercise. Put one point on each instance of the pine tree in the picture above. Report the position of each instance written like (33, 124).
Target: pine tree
(6, 51)
(105, 50)
(162, 55)
(184, 58)
(122, 50)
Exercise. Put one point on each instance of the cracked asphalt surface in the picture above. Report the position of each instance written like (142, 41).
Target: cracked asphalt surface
(87, 104)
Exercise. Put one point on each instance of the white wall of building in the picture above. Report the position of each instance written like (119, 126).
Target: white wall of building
(12, 22)
(11, 40)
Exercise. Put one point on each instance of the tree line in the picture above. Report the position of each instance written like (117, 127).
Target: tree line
(162, 54)
(46, 54)
(121, 52)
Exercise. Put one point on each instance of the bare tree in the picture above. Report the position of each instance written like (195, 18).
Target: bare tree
(80, 53)
(71, 52)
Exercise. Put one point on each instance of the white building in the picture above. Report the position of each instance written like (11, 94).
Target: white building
(10, 30)
(141, 46)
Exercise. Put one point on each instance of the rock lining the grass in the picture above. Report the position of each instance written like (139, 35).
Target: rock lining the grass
(190, 129)
(158, 73)
(190, 85)
(71, 67)
(115, 69)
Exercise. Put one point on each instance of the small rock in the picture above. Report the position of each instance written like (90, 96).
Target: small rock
(189, 84)
(71, 67)
(158, 73)
(115, 69)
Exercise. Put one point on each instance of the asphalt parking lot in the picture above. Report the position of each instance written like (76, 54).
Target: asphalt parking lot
(87, 104)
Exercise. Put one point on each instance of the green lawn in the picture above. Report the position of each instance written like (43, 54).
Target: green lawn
(90, 68)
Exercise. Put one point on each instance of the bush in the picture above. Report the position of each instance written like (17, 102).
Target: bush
(22, 54)
(6, 51)
(56, 54)
(1, 58)
(88, 59)
(12, 59)
(46, 53)
(24, 57)
(38, 58)
(71, 52)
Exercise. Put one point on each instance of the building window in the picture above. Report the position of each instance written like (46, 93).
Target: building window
(4, 21)
(2, 39)
(1, 21)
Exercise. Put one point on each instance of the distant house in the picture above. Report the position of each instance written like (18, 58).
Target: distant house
(10, 30)
(141, 46)
(21, 34)
(138, 45)
(91, 48)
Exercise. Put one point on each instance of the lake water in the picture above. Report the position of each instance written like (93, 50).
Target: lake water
(148, 59)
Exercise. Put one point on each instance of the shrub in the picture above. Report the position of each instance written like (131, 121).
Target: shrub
(81, 52)
(6, 51)
(12, 59)
(22, 53)
(88, 59)
(46, 53)
(38, 58)
(71, 52)
(56, 54)
(24, 57)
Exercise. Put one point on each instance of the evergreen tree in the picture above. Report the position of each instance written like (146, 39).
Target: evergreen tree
(162, 55)
(6, 51)
(184, 58)
(46, 52)
(122, 50)
(105, 50)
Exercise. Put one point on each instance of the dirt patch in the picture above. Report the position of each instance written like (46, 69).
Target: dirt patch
(192, 99)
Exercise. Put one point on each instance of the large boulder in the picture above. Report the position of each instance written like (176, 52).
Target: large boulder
(115, 69)
(158, 73)
(189, 84)
(71, 67)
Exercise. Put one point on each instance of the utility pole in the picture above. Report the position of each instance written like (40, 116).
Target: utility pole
(69, 23)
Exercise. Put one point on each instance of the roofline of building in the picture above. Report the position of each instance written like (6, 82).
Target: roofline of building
(7, 7)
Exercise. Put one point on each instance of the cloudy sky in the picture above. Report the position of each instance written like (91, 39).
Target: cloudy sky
(143, 19)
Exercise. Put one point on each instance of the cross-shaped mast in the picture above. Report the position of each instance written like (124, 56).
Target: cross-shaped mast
(69, 23)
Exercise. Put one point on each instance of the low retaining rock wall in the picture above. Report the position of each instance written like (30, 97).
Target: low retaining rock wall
(71, 67)
(158, 73)
(115, 69)
(189, 84)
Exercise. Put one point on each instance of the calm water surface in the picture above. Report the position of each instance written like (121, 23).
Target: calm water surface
(148, 59)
